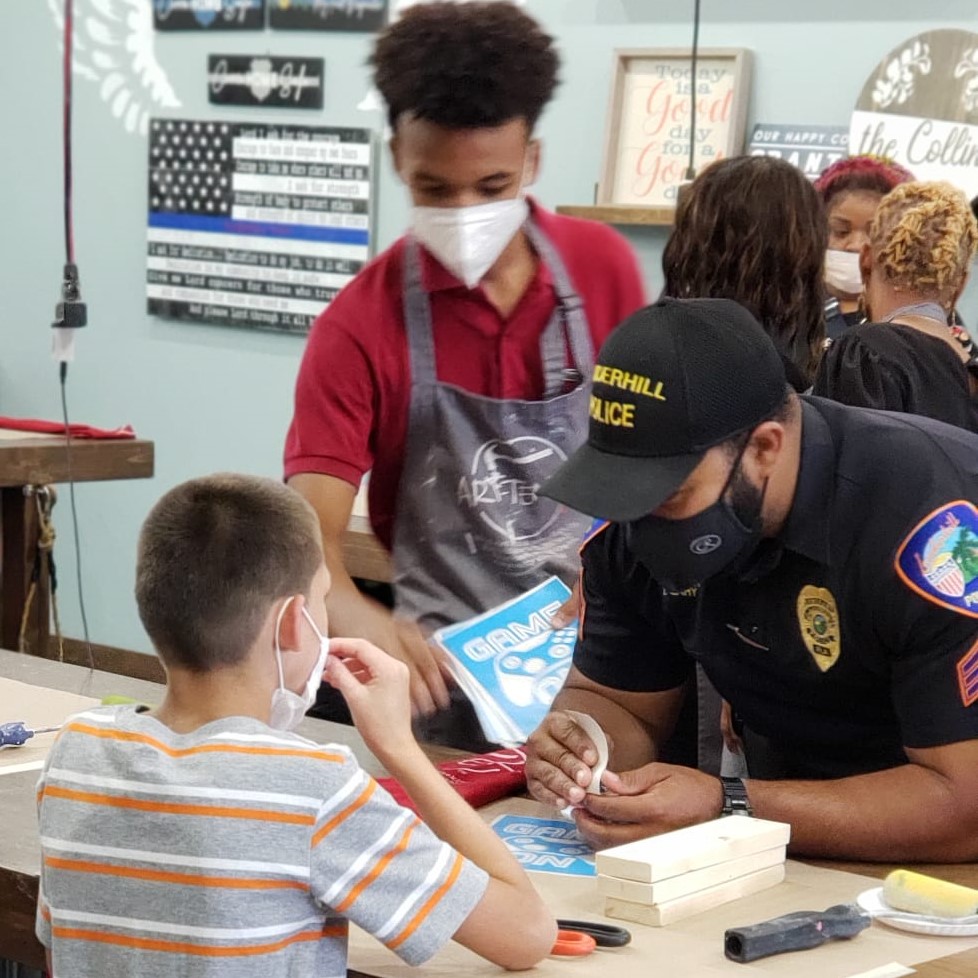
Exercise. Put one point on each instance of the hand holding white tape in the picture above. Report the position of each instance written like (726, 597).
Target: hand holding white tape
(591, 727)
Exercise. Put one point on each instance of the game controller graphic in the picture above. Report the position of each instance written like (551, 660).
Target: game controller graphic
(534, 670)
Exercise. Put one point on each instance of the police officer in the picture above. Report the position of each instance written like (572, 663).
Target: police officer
(819, 561)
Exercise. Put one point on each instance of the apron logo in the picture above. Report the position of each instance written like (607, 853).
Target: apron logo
(939, 559)
(705, 544)
(818, 619)
(503, 486)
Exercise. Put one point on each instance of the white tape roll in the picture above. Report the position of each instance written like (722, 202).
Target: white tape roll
(591, 727)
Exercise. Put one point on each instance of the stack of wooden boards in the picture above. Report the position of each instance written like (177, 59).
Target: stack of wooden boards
(669, 877)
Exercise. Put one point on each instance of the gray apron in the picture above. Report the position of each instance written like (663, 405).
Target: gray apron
(471, 530)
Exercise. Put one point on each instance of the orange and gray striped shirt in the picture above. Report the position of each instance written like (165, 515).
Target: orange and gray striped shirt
(233, 850)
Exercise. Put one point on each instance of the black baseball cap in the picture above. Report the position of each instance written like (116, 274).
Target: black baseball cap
(672, 381)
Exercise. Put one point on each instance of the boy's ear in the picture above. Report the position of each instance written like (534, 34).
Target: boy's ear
(290, 624)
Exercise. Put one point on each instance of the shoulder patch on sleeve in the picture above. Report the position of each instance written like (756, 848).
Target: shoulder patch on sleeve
(939, 558)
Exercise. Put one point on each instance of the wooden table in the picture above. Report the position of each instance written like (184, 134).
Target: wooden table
(31, 461)
(20, 851)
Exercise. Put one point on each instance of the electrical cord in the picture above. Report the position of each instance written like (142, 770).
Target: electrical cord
(71, 312)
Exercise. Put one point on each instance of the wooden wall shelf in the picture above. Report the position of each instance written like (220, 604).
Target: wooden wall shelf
(612, 214)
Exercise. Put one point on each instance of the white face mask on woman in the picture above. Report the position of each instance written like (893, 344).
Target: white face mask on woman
(288, 708)
(469, 240)
(842, 271)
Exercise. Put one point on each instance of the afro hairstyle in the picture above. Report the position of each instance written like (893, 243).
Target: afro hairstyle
(465, 65)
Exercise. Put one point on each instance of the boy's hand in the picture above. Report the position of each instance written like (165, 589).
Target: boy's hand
(376, 689)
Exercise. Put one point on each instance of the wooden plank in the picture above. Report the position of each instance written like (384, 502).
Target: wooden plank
(695, 847)
(120, 662)
(40, 461)
(613, 214)
(963, 965)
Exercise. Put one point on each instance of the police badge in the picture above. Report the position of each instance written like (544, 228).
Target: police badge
(818, 619)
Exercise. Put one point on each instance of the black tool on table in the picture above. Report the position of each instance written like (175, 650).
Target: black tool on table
(794, 932)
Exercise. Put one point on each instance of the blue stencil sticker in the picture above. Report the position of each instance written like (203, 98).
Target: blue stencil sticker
(939, 559)
(546, 845)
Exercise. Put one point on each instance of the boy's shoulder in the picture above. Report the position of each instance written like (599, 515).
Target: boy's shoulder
(125, 741)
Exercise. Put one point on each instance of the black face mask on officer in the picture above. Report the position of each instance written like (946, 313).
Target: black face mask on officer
(720, 540)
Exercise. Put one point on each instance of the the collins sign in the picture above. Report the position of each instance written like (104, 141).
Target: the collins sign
(920, 108)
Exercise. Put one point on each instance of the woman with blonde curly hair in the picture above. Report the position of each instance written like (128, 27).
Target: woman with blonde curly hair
(914, 268)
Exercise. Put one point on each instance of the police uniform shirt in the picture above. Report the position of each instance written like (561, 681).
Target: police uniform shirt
(851, 635)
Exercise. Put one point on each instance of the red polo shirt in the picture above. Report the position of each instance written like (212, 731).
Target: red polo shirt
(354, 384)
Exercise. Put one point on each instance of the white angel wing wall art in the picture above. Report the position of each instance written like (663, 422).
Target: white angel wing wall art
(114, 47)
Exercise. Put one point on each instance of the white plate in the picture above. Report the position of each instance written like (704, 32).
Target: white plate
(872, 901)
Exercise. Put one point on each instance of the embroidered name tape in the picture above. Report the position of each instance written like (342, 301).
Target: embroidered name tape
(939, 558)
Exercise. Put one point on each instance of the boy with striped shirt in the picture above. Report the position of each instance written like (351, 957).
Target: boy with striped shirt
(204, 838)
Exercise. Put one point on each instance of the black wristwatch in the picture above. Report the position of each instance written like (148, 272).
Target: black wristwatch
(735, 800)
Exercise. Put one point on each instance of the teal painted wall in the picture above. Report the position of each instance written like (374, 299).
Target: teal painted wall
(220, 399)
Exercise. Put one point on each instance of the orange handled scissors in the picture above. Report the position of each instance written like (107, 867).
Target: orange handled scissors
(579, 937)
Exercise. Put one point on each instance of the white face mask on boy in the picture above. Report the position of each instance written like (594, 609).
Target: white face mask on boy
(469, 240)
(288, 708)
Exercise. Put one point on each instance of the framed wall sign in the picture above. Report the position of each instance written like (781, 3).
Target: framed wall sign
(810, 148)
(920, 108)
(253, 224)
(209, 15)
(327, 15)
(282, 83)
(647, 140)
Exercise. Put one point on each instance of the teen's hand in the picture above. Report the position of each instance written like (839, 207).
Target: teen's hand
(375, 686)
(570, 610)
(427, 667)
(652, 799)
(559, 757)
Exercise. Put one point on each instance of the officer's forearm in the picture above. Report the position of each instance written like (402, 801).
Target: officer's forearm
(631, 740)
(907, 814)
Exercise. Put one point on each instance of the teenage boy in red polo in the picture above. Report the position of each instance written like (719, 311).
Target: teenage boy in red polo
(455, 367)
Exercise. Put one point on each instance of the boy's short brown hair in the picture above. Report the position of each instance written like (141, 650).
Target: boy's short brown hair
(214, 554)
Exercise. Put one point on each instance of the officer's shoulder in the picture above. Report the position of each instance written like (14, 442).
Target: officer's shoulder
(896, 472)
(887, 451)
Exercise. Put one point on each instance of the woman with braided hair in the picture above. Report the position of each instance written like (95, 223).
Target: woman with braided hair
(851, 189)
(914, 269)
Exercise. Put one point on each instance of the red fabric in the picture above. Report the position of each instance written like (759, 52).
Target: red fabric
(479, 779)
(58, 428)
(353, 389)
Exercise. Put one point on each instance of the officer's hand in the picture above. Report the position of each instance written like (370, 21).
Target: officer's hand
(569, 610)
(375, 687)
(559, 757)
(427, 666)
(652, 799)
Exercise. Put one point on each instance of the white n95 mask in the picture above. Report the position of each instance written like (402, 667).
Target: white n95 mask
(469, 240)
(288, 708)
(842, 271)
